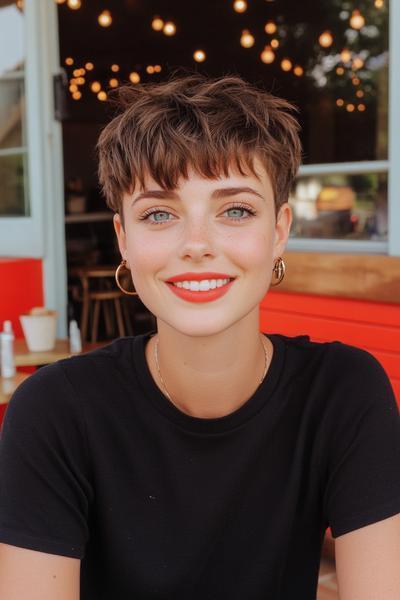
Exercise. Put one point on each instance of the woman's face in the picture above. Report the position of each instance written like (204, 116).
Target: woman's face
(205, 227)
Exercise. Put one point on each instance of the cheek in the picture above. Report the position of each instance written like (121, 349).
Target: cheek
(252, 251)
(144, 255)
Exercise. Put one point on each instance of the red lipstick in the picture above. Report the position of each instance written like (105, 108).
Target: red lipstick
(198, 276)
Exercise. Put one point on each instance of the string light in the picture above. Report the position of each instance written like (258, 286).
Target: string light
(339, 70)
(379, 3)
(345, 55)
(157, 24)
(77, 95)
(150, 69)
(102, 96)
(286, 64)
(76, 72)
(95, 86)
(80, 80)
(115, 68)
(134, 77)
(360, 94)
(169, 28)
(326, 39)
(113, 82)
(157, 68)
(357, 21)
(270, 27)
(339, 102)
(361, 107)
(89, 66)
(355, 81)
(105, 18)
(247, 39)
(298, 70)
(275, 43)
(357, 63)
(74, 4)
(199, 56)
(240, 6)
(350, 107)
(267, 55)
(73, 88)
(69, 61)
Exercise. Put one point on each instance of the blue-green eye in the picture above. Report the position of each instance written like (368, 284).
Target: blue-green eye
(238, 209)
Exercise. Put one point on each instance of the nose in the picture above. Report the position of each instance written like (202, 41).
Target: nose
(197, 239)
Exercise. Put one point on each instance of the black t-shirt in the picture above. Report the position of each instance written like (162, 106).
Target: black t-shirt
(96, 463)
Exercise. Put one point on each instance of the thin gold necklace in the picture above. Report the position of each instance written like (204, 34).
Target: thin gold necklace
(162, 380)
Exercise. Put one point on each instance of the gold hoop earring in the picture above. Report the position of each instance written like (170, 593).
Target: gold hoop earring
(117, 274)
(279, 271)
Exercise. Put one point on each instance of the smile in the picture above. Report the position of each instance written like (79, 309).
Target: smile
(205, 290)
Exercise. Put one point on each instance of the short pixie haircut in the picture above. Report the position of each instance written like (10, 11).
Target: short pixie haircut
(209, 124)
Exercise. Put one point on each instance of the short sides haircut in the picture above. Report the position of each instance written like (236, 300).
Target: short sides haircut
(209, 124)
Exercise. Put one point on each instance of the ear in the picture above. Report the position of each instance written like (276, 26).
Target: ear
(121, 235)
(282, 229)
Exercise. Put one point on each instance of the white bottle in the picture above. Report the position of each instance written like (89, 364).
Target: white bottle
(7, 361)
(75, 342)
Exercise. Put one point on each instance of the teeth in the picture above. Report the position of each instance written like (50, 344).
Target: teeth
(202, 286)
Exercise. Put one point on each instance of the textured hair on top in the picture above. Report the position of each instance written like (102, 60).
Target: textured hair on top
(209, 124)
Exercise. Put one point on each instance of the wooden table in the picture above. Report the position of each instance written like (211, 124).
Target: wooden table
(9, 385)
(25, 358)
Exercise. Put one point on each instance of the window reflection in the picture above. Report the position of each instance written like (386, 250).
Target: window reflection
(340, 206)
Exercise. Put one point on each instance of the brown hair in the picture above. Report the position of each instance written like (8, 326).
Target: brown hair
(207, 124)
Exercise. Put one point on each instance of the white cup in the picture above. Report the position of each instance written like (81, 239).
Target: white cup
(40, 331)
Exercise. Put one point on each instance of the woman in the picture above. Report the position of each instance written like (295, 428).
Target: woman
(203, 460)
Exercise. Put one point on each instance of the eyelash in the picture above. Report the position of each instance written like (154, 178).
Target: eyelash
(152, 211)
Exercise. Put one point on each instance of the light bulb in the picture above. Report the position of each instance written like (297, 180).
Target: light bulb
(95, 86)
(76, 72)
(115, 68)
(325, 39)
(356, 20)
(267, 55)
(74, 4)
(199, 56)
(102, 96)
(357, 63)
(73, 88)
(286, 64)
(361, 107)
(113, 82)
(157, 24)
(80, 80)
(157, 68)
(247, 39)
(339, 102)
(270, 27)
(150, 69)
(69, 61)
(345, 55)
(77, 95)
(240, 6)
(360, 94)
(339, 70)
(275, 43)
(105, 18)
(379, 3)
(169, 28)
(298, 70)
(350, 107)
(89, 66)
(134, 77)
(355, 81)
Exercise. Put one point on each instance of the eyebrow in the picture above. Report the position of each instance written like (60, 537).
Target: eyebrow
(217, 194)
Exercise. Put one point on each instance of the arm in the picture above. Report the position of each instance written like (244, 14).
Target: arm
(368, 562)
(36, 575)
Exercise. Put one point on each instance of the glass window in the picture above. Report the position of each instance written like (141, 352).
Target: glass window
(343, 206)
(13, 151)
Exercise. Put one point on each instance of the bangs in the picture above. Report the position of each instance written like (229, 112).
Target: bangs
(193, 123)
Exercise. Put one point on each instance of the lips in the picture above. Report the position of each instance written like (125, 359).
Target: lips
(208, 296)
(198, 276)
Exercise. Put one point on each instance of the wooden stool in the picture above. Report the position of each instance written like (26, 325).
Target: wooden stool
(105, 291)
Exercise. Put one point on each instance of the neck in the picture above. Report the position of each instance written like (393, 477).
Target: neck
(210, 376)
